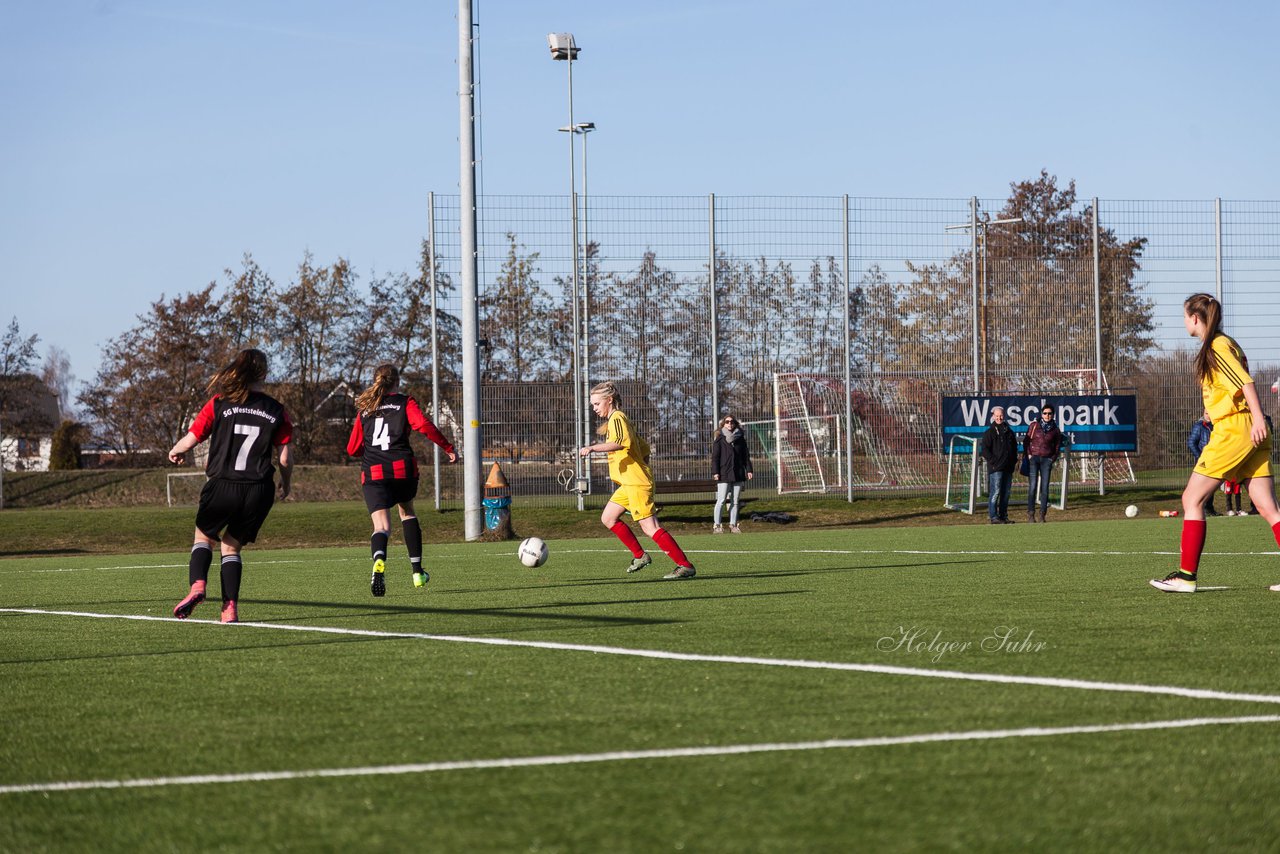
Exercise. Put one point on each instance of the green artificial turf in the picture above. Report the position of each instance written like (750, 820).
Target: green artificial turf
(768, 620)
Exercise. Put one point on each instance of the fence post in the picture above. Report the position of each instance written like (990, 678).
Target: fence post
(973, 276)
(715, 323)
(848, 372)
(1097, 348)
(435, 341)
(1217, 251)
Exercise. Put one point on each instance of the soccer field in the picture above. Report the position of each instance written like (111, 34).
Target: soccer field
(965, 687)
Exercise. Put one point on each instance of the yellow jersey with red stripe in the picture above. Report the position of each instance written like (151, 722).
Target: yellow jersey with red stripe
(628, 466)
(1223, 388)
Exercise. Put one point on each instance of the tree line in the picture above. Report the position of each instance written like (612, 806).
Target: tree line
(324, 328)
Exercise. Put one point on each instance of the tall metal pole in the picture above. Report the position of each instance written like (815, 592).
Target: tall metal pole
(435, 340)
(848, 359)
(973, 275)
(715, 321)
(1217, 257)
(578, 408)
(1097, 299)
(471, 436)
(586, 305)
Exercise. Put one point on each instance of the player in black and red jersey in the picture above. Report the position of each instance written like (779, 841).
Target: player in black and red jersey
(388, 468)
(243, 424)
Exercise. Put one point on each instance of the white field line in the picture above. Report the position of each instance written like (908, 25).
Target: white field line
(872, 552)
(632, 755)
(665, 655)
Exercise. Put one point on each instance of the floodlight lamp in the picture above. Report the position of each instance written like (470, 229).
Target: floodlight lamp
(562, 46)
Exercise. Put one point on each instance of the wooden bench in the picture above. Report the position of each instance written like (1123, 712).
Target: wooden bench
(671, 487)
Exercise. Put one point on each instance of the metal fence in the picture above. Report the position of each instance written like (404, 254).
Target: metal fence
(695, 303)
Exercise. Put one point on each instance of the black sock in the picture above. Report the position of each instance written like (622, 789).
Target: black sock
(201, 560)
(413, 541)
(232, 567)
(378, 544)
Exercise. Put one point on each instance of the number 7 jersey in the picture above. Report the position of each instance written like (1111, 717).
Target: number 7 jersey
(241, 436)
(381, 438)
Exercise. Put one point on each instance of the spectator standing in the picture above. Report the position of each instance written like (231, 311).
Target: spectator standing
(731, 469)
(999, 448)
(1043, 442)
(1200, 434)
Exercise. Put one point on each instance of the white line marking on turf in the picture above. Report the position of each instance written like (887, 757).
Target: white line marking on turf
(884, 669)
(632, 755)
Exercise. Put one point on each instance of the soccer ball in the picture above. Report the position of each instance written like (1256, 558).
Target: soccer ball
(532, 552)
(1131, 510)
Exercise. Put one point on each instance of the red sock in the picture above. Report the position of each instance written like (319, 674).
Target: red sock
(622, 532)
(1275, 532)
(1193, 544)
(668, 544)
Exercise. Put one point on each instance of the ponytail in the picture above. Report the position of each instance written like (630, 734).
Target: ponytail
(385, 378)
(1209, 310)
(233, 381)
(609, 390)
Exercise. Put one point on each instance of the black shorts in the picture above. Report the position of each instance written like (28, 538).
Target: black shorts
(239, 507)
(385, 494)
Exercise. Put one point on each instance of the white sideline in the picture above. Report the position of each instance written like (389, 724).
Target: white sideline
(628, 755)
(1043, 681)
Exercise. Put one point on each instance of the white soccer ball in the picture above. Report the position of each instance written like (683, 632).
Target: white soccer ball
(532, 552)
(1131, 510)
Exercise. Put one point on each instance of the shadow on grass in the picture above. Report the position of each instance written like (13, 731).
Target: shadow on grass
(43, 552)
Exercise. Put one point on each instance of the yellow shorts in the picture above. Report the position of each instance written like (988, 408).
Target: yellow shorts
(1231, 455)
(637, 499)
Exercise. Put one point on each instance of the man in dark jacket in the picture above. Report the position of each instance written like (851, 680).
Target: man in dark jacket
(999, 447)
(1201, 432)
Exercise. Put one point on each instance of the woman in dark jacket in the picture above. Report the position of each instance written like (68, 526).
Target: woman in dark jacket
(731, 469)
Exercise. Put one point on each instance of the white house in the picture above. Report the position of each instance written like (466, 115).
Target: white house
(27, 424)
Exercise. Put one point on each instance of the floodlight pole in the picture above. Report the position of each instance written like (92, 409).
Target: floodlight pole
(472, 451)
(585, 128)
(564, 48)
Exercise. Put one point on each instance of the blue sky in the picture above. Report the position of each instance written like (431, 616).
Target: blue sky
(148, 144)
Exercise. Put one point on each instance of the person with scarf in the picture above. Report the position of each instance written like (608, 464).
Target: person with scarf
(731, 469)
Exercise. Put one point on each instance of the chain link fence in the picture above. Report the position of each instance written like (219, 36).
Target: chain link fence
(694, 305)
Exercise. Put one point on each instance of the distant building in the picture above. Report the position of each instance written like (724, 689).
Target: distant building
(31, 416)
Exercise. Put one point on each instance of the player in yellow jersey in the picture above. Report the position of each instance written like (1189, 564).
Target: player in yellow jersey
(1240, 447)
(629, 470)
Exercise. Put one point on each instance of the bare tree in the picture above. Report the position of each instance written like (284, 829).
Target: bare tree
(17, 354)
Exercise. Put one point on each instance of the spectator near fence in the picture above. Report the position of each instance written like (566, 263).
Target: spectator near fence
(731, 469)
(1043, 442)
(1199, 436)
(999, 448)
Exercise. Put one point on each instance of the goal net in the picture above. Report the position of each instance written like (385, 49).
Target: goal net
(894, 443)
(891, 423)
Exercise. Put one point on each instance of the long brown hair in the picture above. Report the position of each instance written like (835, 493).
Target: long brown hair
(1209, 310)
(233, 381)
(385, 378)
(609, 390)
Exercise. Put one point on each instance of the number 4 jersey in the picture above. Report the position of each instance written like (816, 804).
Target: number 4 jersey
(381, 438)
(241, 436)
